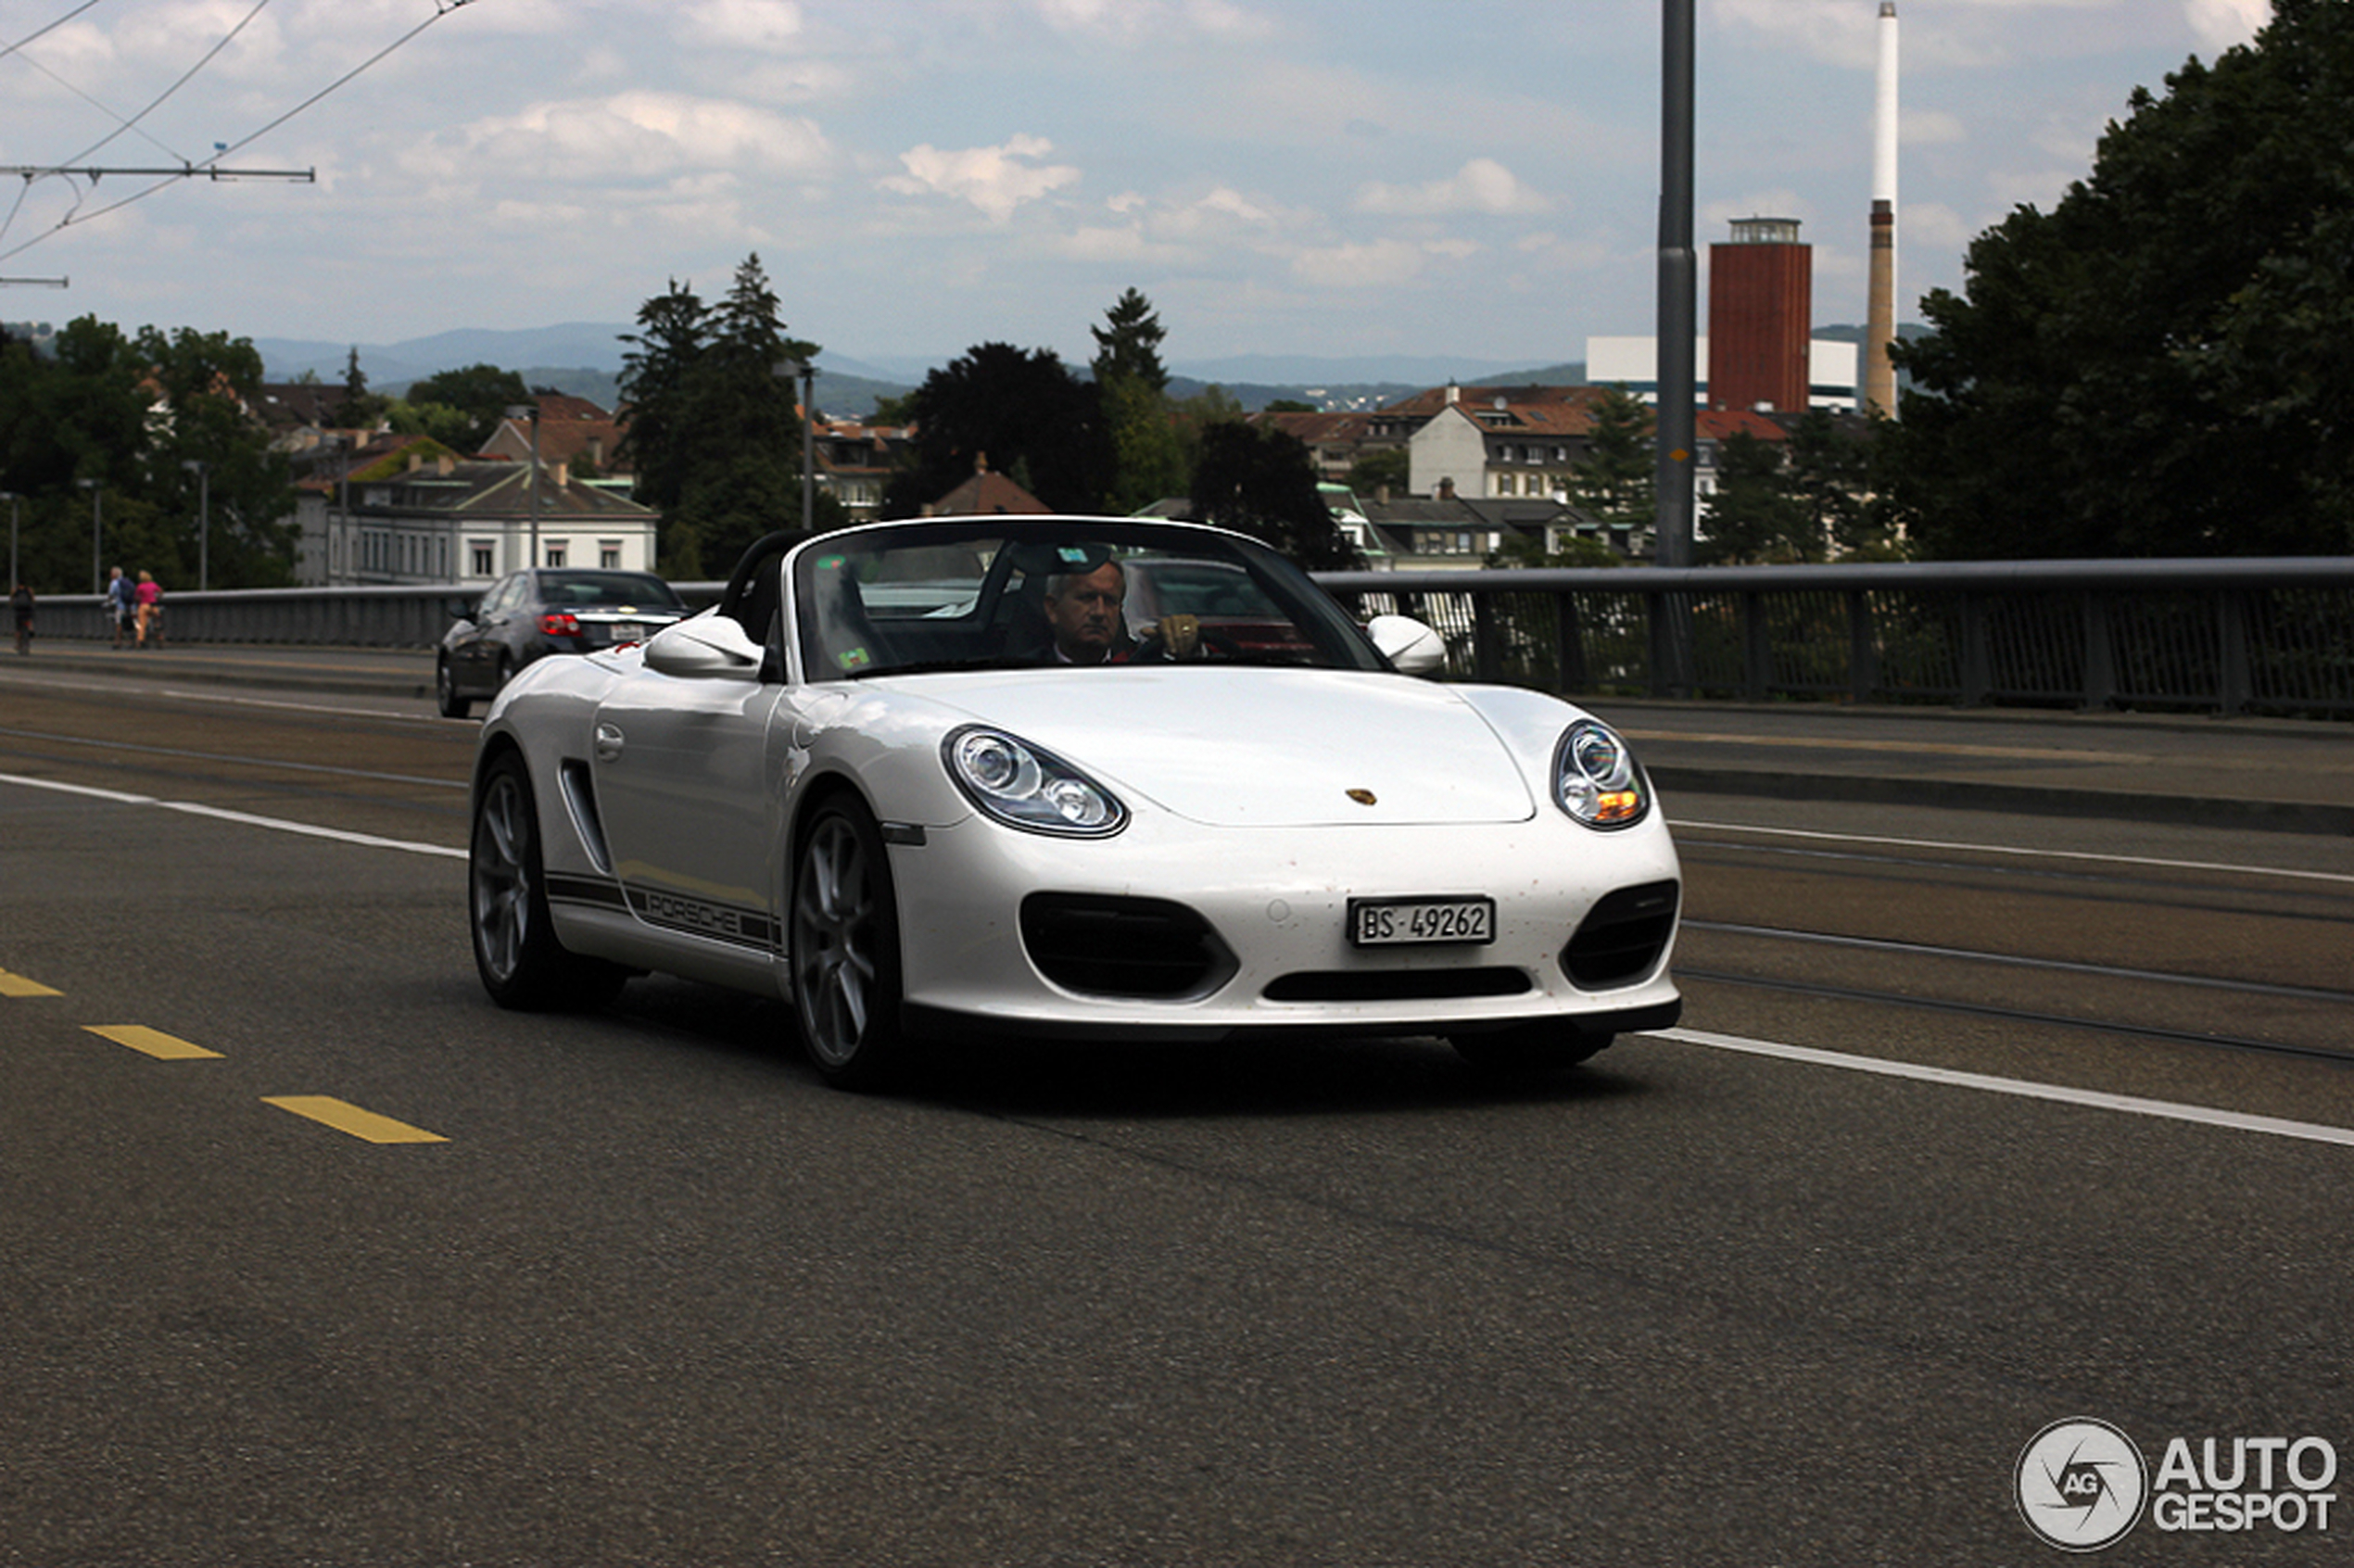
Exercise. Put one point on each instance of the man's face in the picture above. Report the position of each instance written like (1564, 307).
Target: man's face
(1086, 613)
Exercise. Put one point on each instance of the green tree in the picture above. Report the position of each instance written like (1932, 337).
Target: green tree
(360, 409)
(713, 422)
(1024, 414)
(2158, 366)
(1520, 552)
(1832, 469)
(1754, 517)
(130, 414)
(672, 329)
(1128, 344)
(479, 396)
(1262, 481)
(1615, 484)
(744, 400)
(1148, 457)
(1391, 466)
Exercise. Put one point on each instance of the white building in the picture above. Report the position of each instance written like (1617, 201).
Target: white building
(466, 523)
(1831, 369)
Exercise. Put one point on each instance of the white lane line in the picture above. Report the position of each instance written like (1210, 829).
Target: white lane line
(277, 824)
(2016, 850)
(2094, 1099)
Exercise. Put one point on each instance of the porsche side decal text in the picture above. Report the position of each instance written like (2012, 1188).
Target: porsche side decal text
(749, 927)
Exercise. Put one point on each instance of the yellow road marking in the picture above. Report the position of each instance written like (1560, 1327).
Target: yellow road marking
(154, 1042)
(345, 1117)
(17, 986)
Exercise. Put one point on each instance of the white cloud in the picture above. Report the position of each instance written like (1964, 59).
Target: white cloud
(1922, 128)
(1480, 185)
(635, 135)
(997, 179)
(742, 24)
(1378, 264)
(1154, 21)
(2222, 23)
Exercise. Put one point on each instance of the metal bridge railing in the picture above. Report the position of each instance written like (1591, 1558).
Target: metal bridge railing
(2223, 636)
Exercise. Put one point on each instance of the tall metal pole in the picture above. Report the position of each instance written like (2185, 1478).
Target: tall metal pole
(15, 502)
(97, 553)
(1678, 292)
(535, 483)
(203, 472)
(531, 411)
(808, 446)
(1677, 435)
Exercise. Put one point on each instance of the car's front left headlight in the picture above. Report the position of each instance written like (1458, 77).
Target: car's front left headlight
(1596, 778)
(1026, 786)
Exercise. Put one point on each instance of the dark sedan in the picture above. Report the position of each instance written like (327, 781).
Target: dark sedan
(529, 614)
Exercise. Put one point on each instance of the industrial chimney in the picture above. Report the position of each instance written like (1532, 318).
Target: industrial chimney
(1880, 314)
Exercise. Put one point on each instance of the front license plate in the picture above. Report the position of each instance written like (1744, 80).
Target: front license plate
(1410, 922)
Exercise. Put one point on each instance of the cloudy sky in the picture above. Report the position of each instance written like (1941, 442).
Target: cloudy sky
(1281, 177)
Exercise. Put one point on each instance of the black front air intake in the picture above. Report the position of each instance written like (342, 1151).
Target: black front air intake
(1103, 945)
(1621, 939)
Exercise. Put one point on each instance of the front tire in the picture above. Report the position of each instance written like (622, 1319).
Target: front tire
(846, 950)
(445, 690)
(521, 963)
(1528, 1049)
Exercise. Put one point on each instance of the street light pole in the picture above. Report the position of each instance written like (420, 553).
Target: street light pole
(531, 411)
(203, 472)
(15, 503)
(785, 370)
(97, 553)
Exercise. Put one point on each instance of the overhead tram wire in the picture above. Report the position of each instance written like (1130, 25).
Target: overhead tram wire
(209, 168)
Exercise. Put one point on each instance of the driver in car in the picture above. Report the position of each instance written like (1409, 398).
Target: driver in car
(1082, 610)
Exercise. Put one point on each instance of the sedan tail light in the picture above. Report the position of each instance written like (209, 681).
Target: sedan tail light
(560, 623)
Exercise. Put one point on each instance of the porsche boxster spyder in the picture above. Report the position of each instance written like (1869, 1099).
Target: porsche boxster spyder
(932, 781)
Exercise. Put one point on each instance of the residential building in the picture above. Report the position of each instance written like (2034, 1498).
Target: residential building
(572, 431)
(855, 462)
(397, 513)
(985, 494)
(1526, 442)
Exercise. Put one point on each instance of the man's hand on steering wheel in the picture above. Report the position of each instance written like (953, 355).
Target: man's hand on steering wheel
(1171, 637)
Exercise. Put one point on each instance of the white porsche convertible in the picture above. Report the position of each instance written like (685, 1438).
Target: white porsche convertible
(940, 779)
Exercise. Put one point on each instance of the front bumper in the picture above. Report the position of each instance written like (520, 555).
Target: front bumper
(1272, 905)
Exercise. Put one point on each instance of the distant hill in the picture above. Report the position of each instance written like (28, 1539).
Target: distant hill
(585, 359)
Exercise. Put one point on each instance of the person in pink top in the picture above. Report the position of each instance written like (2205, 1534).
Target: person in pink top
(149, 596)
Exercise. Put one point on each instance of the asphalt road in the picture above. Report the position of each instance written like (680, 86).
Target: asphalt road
(1979, 1120)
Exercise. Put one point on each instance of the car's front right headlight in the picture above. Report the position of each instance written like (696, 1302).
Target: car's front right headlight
(1596, 778)
(1024, 786)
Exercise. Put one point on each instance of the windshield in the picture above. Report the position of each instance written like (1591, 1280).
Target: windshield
(606, 588)
(1004, 591)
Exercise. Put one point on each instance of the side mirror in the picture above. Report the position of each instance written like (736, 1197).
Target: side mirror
(706, 647)
(1407, 644)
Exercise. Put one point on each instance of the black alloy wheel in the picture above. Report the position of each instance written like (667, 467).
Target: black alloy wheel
(521, 963)
(845, 949)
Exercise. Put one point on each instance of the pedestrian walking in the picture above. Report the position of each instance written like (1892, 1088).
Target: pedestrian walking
(20, 609)
(151, 600)
(121, 605)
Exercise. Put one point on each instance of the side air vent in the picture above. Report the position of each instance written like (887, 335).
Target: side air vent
(1622, 937)
(1109, 946)
(581, 802)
